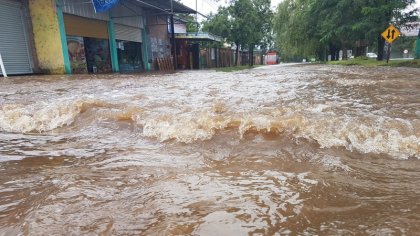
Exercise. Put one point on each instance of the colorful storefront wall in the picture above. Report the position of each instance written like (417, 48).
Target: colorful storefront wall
(59, 42)
(47, 37)
(158, 39)
(88, 44)
(122, 27)
(77, 57)
(129, 37)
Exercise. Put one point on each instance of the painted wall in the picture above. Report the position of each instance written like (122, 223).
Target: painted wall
(160, 44)
(47, 36)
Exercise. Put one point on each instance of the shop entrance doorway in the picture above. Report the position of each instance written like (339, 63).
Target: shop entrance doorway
(130, 56)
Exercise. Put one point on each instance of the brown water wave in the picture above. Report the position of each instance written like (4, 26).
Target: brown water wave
(278, 150)
(45, 116)
(367, 134)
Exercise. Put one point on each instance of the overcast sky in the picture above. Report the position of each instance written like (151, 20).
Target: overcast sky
(207, 6)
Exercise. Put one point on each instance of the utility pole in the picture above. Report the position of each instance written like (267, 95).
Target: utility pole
(417, 56)
(173, 41)
(196, 16)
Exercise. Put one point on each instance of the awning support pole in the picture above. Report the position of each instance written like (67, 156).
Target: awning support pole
(173, 40)
(3, 70)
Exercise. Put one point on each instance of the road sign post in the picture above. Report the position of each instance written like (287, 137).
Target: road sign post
(388, 54)
(3, 70)
(390, 34)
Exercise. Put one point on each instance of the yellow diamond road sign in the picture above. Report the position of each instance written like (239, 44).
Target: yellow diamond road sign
(391, 34)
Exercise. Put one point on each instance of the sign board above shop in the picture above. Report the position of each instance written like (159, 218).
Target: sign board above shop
(103, 5)
(391, 34)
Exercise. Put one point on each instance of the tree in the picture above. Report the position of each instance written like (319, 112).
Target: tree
(246, 23)
(311, 27)
(378, 14)
(261, 27)
(218, 24)
(242, 16)
(294, 29)
(335, 27)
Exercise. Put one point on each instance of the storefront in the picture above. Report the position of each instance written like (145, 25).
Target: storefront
(188, 49)
(129, 48)
(68, 36)
(14, 38)
(104, 42)
(88, 44)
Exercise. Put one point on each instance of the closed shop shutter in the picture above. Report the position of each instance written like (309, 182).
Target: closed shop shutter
(80, 26)
(127, 33)
(13, 41)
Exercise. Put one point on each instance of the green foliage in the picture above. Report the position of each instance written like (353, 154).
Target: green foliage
(218, 24)
(247, 23)
(192, 24)
(373, 63)
(243, 22)
(404, 43)
(295, 30)
(306, 28)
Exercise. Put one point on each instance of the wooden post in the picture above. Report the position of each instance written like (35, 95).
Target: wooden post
(159, 61)
(388, 53)
(3, 70)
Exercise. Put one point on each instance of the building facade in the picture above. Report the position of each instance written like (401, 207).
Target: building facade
(16, 40)
(68, 36)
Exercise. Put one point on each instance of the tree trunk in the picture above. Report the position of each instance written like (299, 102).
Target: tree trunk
(381, 40)
(326, 54)
(333, 52)
(251, 55)
(345, 56)
(381, 46)
(237, 54)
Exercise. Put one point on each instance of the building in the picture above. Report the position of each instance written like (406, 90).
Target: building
(16, 41)
(67, 36)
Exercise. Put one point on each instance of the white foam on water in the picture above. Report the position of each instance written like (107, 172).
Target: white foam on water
(193, 107)
(41, 117)
(369, 134)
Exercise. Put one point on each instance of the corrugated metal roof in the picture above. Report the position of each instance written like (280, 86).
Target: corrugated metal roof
(166, 5)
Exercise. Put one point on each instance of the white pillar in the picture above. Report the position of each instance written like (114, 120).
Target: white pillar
(3, 70)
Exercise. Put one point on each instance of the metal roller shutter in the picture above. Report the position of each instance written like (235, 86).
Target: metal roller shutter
(80, 26)
(13, 42)
(127, 33)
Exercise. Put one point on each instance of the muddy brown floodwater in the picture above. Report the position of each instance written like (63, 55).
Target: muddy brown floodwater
(277, 150)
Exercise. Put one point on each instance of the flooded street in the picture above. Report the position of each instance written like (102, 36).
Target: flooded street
(277, 150)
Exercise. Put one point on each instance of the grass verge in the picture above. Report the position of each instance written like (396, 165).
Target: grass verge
(372, 63)
(235, 68)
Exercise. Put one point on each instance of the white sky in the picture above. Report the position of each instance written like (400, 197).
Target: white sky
(207, 6)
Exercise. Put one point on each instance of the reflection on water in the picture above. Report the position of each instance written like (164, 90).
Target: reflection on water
(272, 151)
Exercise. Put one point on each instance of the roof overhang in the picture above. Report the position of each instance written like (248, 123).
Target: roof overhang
(199, 37)
(165, 6)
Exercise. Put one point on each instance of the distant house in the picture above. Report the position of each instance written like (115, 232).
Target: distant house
(411, 32)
